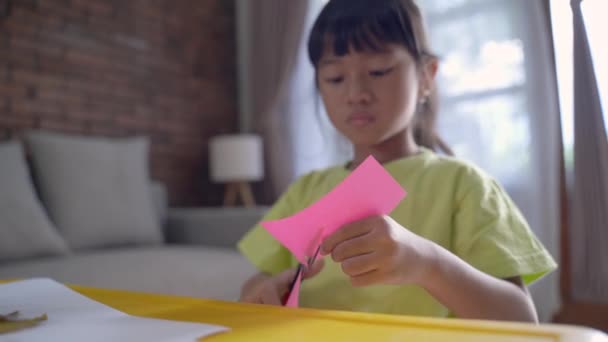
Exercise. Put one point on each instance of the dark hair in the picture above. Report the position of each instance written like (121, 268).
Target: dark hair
(367, 25)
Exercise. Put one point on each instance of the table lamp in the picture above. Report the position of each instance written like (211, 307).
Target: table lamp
(236, 160)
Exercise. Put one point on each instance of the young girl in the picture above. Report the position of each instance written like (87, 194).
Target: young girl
(456, 246)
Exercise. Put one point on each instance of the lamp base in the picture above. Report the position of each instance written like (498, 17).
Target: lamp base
(235, 190)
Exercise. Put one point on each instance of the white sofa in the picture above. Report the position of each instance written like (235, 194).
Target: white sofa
(198, 260)
(83, 211)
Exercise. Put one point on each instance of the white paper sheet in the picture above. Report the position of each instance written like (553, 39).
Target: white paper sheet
(74, 317)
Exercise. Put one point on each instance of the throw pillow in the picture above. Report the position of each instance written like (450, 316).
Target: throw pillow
(97, 190)
(25, 229)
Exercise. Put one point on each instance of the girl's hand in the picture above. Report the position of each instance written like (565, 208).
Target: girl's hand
(265, 289)
(378, 250)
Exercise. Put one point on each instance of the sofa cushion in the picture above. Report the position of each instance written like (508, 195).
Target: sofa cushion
(96, 189)
(25, 229)
(194, 271)
(158, 192)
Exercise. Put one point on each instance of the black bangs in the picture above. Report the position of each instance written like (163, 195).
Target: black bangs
(362, 25)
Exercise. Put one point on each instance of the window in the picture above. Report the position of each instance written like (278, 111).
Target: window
(482, 81)
(498, 105)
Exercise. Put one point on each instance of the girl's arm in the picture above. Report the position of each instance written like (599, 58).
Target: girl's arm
(377, 250)
(470, 293)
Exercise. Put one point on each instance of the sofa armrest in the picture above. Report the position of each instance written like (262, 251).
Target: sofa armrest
(214, 226)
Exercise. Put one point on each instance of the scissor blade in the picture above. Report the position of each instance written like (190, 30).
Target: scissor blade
(314, 257)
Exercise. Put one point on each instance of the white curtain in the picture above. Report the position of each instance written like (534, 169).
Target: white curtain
(589, 226)
(316, 142)
(269, 33)
(498, 107)
(588, 282)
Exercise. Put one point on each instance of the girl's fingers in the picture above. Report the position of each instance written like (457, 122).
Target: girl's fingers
(316, 267)
(366, 279)
(347, 232)
(360, 264)
(362, 244)
(270, 296)
(284, 279)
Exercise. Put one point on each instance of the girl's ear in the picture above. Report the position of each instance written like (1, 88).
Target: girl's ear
(427, 79)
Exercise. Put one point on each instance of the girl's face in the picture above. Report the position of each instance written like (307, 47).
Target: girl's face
(371, 96)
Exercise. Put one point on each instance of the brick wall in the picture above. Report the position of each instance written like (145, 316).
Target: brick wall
(162, 68)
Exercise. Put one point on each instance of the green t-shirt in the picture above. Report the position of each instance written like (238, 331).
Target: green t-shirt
(449, 202)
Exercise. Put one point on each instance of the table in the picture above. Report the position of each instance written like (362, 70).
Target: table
(261, 322)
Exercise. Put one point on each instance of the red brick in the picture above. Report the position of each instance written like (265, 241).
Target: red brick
(48, 23)
(92, 67)
(35, 108)
(22, 24)
(69, 127)
(94, 8)
(5, 69)
(56, 95)
(33, 78)
(100, 8)
(13, 59)
(5, 105)
(13, 91)
(52, 65)
(82, 58)
(19, 121)
(34, 46)
(20, 17)
(62, 10)
(29, 19)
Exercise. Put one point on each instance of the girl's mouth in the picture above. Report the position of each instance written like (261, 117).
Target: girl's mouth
(360, 119)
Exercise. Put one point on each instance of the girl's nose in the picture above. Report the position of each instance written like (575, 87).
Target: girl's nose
(359, 92)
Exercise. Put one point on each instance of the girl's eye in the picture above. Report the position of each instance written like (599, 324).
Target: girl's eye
(381, 72)
(334, 80)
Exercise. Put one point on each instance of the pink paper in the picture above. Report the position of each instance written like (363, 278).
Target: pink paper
(369, 190)
(294, 295)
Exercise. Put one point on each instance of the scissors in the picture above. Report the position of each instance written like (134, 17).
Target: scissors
(299, 271)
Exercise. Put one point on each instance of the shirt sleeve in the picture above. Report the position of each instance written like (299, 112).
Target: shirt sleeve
(262, 249)
(491, 234)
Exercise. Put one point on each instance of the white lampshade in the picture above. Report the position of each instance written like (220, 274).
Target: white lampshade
(236, 157)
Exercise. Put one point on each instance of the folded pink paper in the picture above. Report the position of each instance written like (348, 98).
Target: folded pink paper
(369, 190)
(294, 295)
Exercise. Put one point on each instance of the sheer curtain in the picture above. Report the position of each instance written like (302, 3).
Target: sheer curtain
(589, 228)
(596, 25)
(316, 142)
(499, 105)
(582, 70)
(269, 33)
